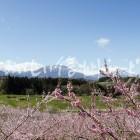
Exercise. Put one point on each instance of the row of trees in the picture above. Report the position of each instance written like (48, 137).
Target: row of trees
(24, 85)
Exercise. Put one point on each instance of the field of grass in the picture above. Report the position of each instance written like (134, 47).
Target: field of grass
(23, 101)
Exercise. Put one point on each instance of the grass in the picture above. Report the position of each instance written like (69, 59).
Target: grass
(22, 101)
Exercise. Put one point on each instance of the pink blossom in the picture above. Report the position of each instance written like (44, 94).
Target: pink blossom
(76, 103)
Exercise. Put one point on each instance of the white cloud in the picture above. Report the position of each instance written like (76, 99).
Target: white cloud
(137, 61)
(84, 67)
(71, 62)
(103, 42)
(19, 67)
(89, 68)
(114, 68)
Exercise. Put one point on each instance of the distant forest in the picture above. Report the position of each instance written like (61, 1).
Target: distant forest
(24, 85)
(32, 86)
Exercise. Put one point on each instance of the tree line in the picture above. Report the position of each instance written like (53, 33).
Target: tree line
(25, 85)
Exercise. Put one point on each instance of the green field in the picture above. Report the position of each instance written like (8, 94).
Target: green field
(23, 101)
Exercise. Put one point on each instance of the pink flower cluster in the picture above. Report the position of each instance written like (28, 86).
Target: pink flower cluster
(71, 97)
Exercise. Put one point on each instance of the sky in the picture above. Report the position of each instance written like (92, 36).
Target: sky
(79, 33)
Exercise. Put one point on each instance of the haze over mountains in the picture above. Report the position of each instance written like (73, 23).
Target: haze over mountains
(56, 71)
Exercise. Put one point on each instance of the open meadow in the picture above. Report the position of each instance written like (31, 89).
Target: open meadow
(25, 101)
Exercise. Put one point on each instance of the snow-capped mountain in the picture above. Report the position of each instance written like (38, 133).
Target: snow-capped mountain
(57, 71)
(54, 71)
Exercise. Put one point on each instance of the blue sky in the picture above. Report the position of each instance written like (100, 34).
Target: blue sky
(83, 30)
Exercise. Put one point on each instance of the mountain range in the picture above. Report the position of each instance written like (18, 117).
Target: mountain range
(57, 71)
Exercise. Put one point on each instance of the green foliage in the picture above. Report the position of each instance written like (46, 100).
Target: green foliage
(24, 85)
(32, 86)
(104, 79)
